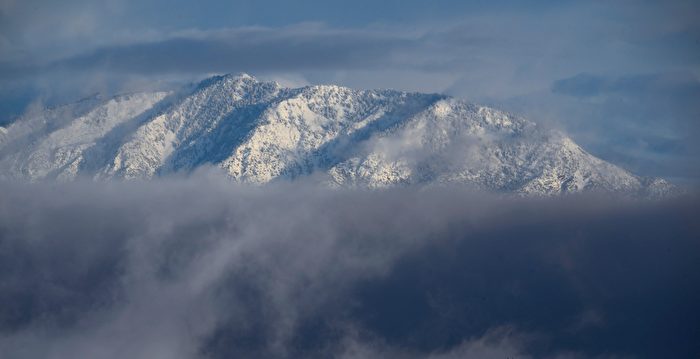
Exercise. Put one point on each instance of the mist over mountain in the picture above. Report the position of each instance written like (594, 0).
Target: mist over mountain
(260, 132)
(399, 179)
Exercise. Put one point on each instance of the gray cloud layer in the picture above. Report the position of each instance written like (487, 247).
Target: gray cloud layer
(646, 118)
(197, 268)
(254, 49)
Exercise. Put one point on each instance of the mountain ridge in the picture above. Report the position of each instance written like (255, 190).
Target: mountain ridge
(259, 132)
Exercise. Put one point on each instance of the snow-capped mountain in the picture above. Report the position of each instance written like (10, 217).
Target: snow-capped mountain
(259, 132)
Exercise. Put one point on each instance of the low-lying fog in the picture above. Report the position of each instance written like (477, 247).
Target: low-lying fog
(197, 267)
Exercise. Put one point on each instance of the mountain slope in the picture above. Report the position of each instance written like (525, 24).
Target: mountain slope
(53, 144)
(259, 132)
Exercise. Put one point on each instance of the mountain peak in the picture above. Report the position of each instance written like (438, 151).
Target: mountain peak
(226, 78)
(239, 76)
(259, 132)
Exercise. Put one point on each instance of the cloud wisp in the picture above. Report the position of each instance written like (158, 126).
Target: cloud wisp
(187, 268)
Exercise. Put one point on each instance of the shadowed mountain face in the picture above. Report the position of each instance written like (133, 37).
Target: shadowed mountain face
(259, 132)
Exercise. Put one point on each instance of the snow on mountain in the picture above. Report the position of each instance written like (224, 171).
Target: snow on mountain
(54, 144)
(259, 132)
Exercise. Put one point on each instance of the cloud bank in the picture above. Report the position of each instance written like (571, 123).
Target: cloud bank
(196, 268)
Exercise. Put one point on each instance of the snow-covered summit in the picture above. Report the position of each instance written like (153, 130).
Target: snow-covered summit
(259, 132)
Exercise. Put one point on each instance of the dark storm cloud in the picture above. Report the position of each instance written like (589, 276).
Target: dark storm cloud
(198, 268)
(236, 50)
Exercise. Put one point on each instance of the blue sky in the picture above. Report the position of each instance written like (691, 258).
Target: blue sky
(621, 77)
